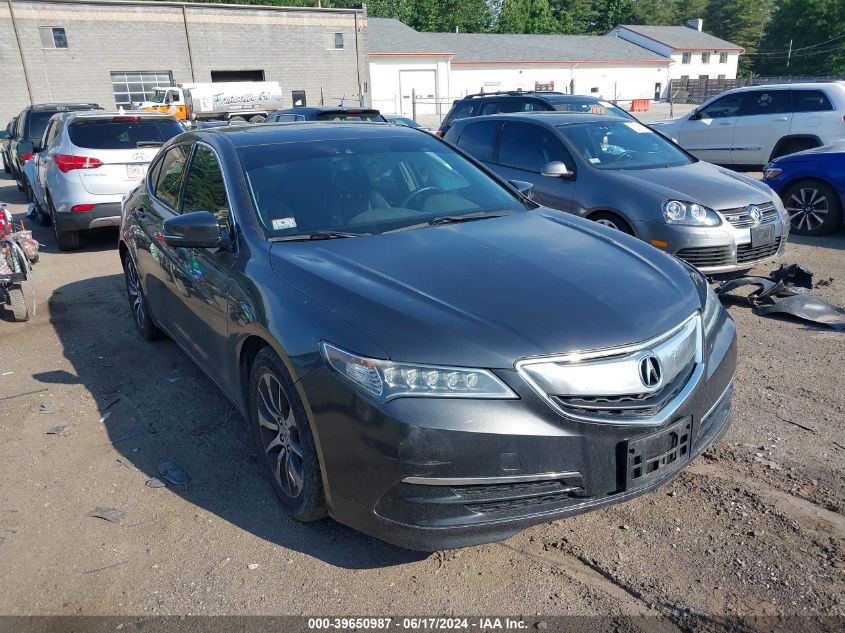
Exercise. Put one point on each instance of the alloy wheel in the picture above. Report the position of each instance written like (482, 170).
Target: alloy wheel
(133, 289)
(280, 435)
(807, 208)
(607, 222)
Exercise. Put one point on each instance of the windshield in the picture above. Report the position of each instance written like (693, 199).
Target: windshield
(159, 95)
(365, 185)
(589, 106)
(122, 132)
(622, 145)
(350, 115)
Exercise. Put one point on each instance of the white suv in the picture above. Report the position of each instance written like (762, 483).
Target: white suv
(750, 126)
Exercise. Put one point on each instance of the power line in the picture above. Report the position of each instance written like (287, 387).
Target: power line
(804, 48)
(785, 54)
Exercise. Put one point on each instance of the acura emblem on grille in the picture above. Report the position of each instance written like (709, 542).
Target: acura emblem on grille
(650, 372)
(755, 213)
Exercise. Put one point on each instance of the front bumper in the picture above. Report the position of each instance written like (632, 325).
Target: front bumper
(102, 215)
(430, 474)
(718, 249)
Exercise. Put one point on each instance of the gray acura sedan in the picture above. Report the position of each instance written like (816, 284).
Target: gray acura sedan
(621, 174)
(420, 351)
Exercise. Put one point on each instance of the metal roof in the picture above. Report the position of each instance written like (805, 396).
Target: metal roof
(680, 38)
(389, 37)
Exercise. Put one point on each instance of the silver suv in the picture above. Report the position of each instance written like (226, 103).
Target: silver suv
(751, 126)
(87, 161)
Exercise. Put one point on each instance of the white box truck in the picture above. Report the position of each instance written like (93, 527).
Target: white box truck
(249, 101)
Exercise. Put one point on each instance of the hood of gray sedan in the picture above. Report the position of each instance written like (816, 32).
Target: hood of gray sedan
(486, 293)
(699, 182)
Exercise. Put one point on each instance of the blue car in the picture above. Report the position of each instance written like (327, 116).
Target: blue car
(812, 187)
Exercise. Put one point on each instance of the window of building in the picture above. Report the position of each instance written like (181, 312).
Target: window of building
(131, 87)
(52, 37)
(722, 76)
(685, 58)
(705, 58)
(236, 75)
(723, 58)
(334, 41)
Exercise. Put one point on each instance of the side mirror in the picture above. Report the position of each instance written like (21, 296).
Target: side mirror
(199, 229)
(695, 115)
(523, 187)
(556, 169)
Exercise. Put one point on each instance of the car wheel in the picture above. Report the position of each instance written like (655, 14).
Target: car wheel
(66, 240)
(612, 221)
(6, 167)
(237, 119)
(138, 302)
(18, 303)
(258, 118)
(41, 218)
(27, 190)
(284, 441)
(814, 208)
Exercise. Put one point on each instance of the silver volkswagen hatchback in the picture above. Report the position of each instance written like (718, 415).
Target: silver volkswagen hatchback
(87, 161)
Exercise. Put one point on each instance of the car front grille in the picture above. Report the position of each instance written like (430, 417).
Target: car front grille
(745, 254)
(741, 218)
(707, 256)
(496, 498)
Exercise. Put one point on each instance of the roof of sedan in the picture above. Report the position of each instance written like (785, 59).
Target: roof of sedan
(554, 118)
(263, 133)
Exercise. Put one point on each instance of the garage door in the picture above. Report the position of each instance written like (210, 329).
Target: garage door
(135, 86)
(422, 85)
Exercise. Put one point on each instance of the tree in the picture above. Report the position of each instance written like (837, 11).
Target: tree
(741, 22)
(527, 16)
(816, 29)
(653, 12)
(610, 13)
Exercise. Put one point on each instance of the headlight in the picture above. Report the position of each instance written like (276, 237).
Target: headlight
(711, 311)
(771, 172)
(386, 380)
(689, 213)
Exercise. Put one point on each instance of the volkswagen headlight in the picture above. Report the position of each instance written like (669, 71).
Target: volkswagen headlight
(689, 213)
(386, 380)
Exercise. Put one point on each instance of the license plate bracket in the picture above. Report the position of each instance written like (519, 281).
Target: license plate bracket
(762, 235)
(658, 454)
(136, 171)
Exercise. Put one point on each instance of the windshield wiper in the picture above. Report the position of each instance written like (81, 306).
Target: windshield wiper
(318, 235)
(453, 219)
(149, 143)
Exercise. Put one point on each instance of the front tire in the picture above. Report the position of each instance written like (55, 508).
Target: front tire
(814, 208)
(613, 221)
(258, 118)
(138, 303)
(283, 438)
(18, 303)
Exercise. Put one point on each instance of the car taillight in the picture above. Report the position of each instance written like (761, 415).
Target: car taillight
(66, 162)
(82, 207)
(438, 134)
(27, 156)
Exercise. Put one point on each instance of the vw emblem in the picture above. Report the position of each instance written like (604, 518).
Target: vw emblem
(138, 156)
(650, 373)
(755, 213)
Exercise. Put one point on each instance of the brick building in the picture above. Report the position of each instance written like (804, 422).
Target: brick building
(114, 52)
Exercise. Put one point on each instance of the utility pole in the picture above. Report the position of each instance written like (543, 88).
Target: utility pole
(789, 54)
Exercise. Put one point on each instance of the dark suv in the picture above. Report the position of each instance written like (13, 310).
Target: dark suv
(512, 102)
(30, 127)
(326, 113)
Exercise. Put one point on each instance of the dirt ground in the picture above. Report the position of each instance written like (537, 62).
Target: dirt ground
(755, 527)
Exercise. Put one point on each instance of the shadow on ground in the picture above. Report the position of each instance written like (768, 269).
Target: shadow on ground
(167, 410)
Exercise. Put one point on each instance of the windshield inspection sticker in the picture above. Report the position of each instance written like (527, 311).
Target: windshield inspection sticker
(279, 224)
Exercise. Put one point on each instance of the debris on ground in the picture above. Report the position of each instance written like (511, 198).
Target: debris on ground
(173, 474)
(112, 515)
(61, 430)
(155, 482)
(48, 407)
(785, 292)
(105, 416)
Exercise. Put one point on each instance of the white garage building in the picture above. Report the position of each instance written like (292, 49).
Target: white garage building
(420, 74)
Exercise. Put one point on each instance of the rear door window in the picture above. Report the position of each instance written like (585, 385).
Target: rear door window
(122, 133)
(758, 102)
(528, 147)
(169, 176)
(810, 101)
(479, 139)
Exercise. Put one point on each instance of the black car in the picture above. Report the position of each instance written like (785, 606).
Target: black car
(5, 150)
(29, 129)
(325, 113)
(422, 352)
(512, 102)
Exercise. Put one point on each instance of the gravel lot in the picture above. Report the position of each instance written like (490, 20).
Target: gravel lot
(753, 528)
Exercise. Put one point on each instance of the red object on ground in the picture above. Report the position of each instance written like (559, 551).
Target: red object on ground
(640, 105)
